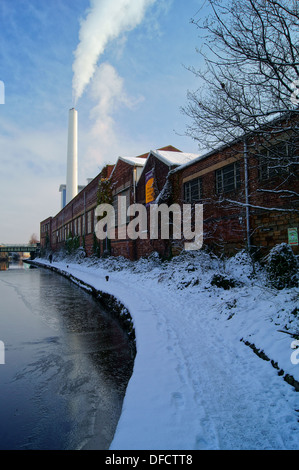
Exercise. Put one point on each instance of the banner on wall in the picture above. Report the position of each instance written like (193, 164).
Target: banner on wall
(293, 236)
(149, 187)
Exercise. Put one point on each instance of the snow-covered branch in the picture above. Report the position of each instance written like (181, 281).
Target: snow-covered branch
(274, 209)
(281, 191)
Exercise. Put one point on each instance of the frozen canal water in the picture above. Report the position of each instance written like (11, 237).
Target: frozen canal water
(67, 364)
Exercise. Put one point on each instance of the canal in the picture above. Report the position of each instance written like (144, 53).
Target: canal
(65, 367)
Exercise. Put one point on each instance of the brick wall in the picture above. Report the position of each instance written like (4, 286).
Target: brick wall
(224, 222)
(77, 218)
(45, 233)
(224, 212)
(161, 171)
(271, 228)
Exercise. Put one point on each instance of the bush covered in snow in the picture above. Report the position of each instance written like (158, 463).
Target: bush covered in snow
(224, 282)
(282, 267)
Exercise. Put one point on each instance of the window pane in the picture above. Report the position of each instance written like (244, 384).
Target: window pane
(219, 185)
(228, 178)
(274, 161)
(192, 190)
(125, 218)
(89, 222)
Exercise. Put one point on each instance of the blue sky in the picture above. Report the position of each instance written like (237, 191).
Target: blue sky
(130, 105)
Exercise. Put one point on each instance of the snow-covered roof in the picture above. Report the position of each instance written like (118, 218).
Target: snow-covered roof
(134, 161)
(174, 158)
(137, 161)
(190, 162)
(170, 158)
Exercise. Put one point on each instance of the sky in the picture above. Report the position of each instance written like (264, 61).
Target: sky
(122, 64)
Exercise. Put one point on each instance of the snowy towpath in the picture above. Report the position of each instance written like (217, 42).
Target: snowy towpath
(195, 385)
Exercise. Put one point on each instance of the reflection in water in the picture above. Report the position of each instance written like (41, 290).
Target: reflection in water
(13, 264)
(68, 363)
(4, 264)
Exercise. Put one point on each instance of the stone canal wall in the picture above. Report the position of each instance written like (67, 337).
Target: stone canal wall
(107, 301)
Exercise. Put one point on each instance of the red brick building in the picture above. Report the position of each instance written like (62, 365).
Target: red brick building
(248, 189)
(45, 233)
(128, 180)
(75, 223)
(76, 220)
(124, 178)
(158, 165)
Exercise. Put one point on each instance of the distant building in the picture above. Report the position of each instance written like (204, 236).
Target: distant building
(62, 190)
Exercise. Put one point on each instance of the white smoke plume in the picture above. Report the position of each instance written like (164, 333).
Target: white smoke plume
(104, 139)
(106, 20)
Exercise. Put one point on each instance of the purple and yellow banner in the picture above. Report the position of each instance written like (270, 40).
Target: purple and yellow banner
(149, 187)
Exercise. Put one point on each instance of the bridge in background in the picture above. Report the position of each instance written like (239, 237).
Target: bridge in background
(32, 249)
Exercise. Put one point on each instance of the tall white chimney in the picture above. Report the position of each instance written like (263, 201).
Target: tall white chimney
(72, 157)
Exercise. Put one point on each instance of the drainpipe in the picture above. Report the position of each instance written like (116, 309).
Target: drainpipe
(134, 182)
(134, 189)
(84, 219)
(247, 195)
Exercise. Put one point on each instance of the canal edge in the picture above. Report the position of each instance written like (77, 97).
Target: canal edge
(108, 301)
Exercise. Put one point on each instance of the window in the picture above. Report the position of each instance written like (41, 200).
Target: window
(193, 190)
(228, 178)
(276, 161)
(116, 202)
(89, 221)
(95, 220)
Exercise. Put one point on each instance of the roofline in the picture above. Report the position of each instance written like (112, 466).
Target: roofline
(153, 152)
(156, 154)
(161, 158)
(142, 158)
(127, 160)
(84, 188)
(201, 157)
(236, 140)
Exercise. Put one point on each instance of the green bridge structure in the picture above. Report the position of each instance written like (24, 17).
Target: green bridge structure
(34, 249)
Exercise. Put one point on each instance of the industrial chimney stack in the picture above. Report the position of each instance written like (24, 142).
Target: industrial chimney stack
(72, 157)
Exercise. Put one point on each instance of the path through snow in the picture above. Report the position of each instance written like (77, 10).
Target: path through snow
(195, 385)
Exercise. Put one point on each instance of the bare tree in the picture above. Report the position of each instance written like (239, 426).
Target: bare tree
(250, 50)
(248, 97)
(33, 239)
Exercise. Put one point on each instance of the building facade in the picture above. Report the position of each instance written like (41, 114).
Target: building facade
(248, 189)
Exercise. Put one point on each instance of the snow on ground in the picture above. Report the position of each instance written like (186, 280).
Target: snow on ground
(195, 384)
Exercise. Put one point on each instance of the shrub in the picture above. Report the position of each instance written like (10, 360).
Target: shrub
(72, 243)
(226, 283)
(282, 267)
